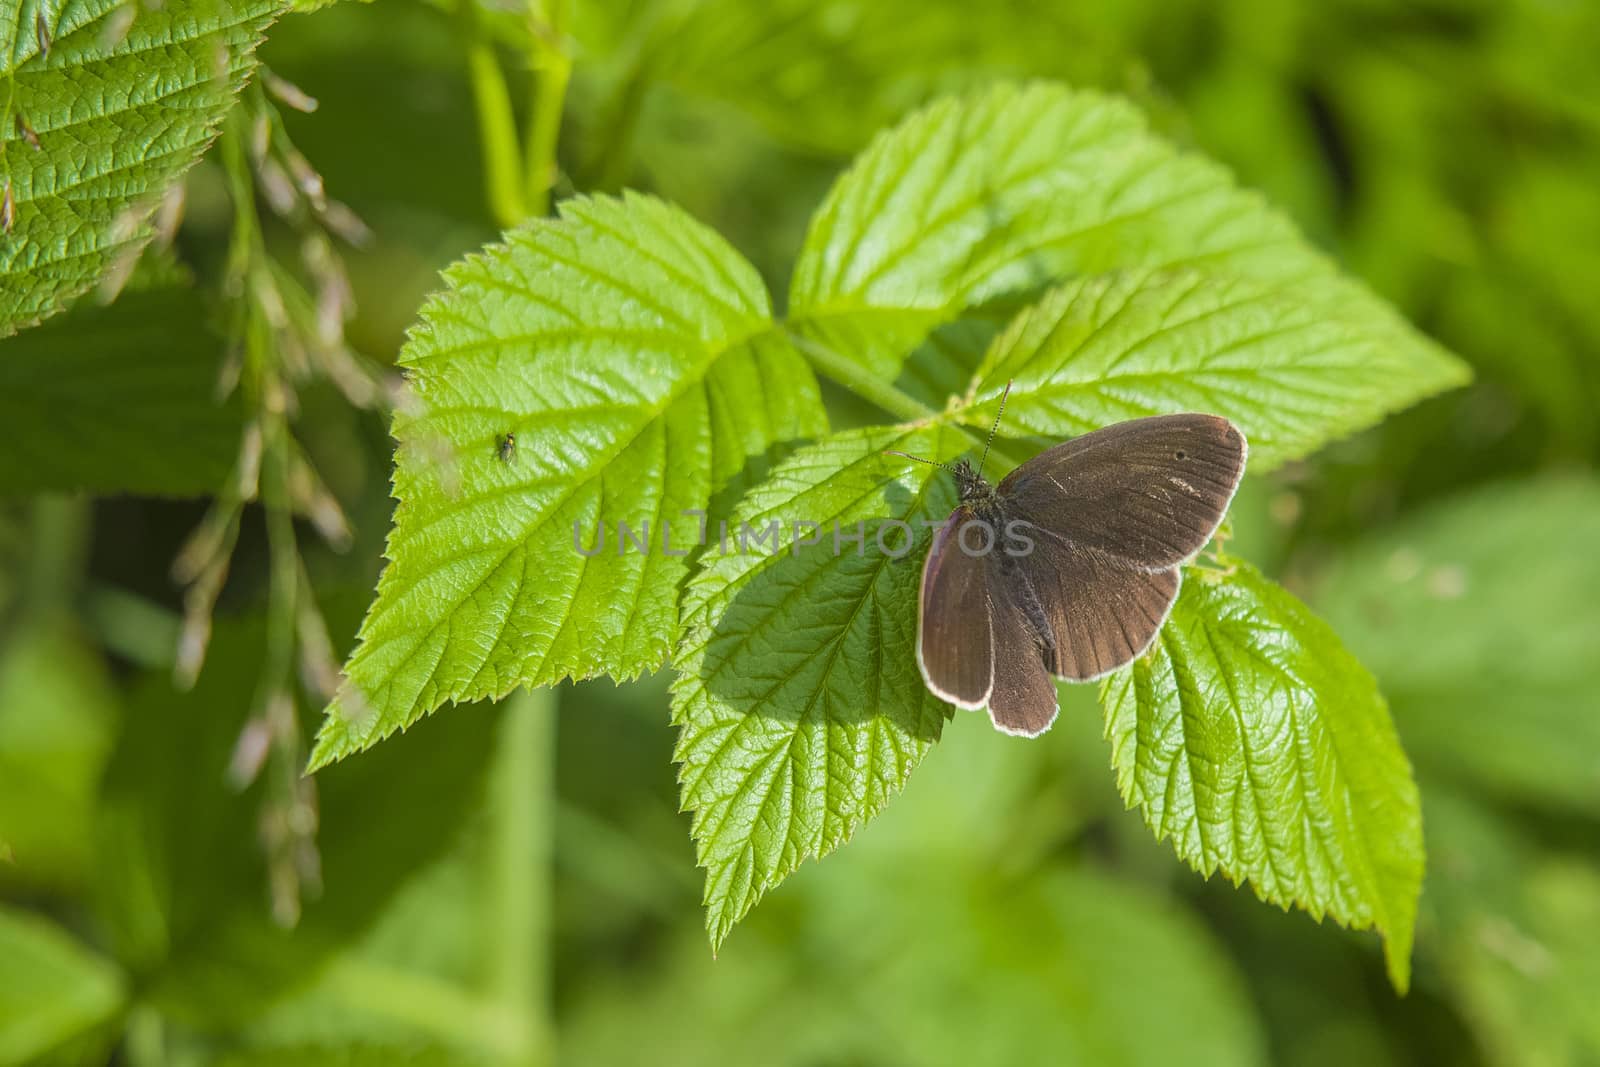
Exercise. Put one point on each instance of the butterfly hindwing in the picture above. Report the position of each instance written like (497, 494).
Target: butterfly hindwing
(1024, 699)
(1099, 612)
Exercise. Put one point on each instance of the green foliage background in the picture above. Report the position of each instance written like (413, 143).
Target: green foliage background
(512, 883)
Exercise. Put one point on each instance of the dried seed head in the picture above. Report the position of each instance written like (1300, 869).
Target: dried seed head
(307, 179)
(276, 187)
(249, 754)
(289, 93)
(345, 224)
(260, 136)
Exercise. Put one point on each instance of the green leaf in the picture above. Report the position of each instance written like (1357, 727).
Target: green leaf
(58, 715)
(881, 57)
(52, 990)
(631, 352)
(117, 399)
(1063, 967)
(1252, 738)
(799, 705)
(1001, 193)
(1292, 374)
(375, 1054)
(1478, 615)
(118, 121)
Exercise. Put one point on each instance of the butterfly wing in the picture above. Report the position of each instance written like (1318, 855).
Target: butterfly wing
(955, 639)
(1148, 491)
(1023, 700)
(1097, 611)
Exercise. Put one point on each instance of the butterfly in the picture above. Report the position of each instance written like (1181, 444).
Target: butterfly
(1069, 567)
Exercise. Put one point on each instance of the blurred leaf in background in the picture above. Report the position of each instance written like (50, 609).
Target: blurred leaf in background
(136, 381)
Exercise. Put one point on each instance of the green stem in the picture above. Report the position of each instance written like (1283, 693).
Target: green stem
(523, 822)
(846, 372)
(552, 72)
(60, 536)
(611, 164)
(283, 566)
(497, 124)
(855, 378)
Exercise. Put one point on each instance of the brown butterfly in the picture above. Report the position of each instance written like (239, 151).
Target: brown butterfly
(1070, 565)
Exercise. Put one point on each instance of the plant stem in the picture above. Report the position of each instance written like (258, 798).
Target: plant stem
(497, 124)
(842, 370)
(60, 536)
(552, 71)
(523, 820)
(853, 377)
(609, 168)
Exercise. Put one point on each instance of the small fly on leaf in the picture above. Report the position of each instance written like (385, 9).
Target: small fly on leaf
(508, 448)
(8, 208)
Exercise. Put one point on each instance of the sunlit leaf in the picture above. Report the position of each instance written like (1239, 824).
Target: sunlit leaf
(1252, 738)
(1290, 373)
(799, 705)
(1007, 191)
(118, 118)
(630, 352)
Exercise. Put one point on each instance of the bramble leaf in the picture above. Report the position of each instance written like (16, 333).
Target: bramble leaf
(117, 120)
(1001, 193)
(799, 705)
(631, 353)
(1292, 374)
(1262, 748)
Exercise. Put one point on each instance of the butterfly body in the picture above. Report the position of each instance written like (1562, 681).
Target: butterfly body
(1079, 564)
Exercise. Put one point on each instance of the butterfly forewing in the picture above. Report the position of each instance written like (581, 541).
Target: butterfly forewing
(954, 639)
(1149, 491)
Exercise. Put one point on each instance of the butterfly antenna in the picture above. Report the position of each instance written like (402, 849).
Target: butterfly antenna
(995, 428)
(919, 459)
